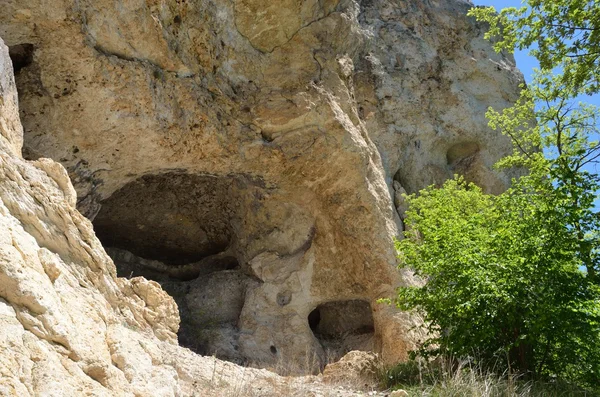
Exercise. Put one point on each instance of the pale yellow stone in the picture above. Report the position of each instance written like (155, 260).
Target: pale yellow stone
(314, 116)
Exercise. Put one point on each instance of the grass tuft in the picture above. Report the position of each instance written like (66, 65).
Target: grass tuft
(445, 378)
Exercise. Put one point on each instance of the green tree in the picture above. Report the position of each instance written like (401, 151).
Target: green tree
(555, 139)
(504, 283)
(514, 279)
(564, 34)
(565, 38)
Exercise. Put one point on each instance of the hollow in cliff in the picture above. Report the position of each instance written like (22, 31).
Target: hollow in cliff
(177, 229)
(343, 326)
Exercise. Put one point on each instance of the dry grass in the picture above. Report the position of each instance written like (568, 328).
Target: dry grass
(438, 379)
(228, 380)
(445, 379)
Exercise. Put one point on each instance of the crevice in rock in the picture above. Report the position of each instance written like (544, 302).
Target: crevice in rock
(98, 48)
(399, 198)
(130, 265)
(343, 326)
(21, 56)
(157, 70)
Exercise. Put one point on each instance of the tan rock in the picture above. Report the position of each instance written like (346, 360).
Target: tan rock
(210, 138)
(271, 25)
(11, 131)
(355, 367)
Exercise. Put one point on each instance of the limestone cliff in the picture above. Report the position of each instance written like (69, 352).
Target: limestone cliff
(246, 156)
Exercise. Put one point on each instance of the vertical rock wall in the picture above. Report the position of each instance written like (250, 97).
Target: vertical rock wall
(250, 155)
(67, 324)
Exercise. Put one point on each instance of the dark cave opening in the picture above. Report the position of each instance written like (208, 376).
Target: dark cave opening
(21, 56)
(343, 326)
(314, 318)
(174, 218)
(210, 309)
(176, 228)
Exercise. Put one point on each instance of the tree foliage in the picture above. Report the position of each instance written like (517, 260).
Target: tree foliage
(563, 34)
(503, 281)
(514, 279)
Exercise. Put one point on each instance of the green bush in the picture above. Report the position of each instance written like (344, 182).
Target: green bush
(513, 281)
(504, 283)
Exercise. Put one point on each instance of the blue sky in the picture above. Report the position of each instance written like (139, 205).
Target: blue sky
(527, 63)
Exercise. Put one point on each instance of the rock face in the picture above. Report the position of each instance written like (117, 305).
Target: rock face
(248, 156)
(356, 366)
(66, 322)
(68, 325)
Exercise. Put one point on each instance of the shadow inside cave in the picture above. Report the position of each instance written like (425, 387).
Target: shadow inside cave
(343, 326)
(177, 229)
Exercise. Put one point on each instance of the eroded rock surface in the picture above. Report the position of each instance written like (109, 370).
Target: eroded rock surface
(248, 156)
(68, 325)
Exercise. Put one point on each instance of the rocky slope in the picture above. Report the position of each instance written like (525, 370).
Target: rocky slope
(247, 156)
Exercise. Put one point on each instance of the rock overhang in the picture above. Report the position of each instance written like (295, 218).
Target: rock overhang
(354, 95)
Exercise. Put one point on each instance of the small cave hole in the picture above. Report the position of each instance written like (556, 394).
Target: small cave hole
(343, 326)
(284, 298)
(273, 350)
(460, 152)
(21, 56)
(314, 318)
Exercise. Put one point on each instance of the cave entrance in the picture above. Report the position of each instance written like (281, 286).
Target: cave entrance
(178, 229)
(343, 326)
(21, 56)
(173, 218)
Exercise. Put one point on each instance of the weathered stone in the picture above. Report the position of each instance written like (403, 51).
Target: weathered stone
(262, 145)
(68, 326)
(355, 367)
